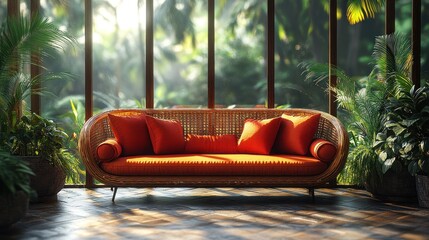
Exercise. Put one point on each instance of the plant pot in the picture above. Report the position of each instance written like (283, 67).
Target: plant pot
(422, 186)
(13, 208)
(394, 187)
(47, 181)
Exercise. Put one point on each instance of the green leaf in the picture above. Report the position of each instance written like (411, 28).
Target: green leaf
(381, 136)
(407, 147)
(409, 123)
(398, 130)
(413, 168)
(378, 144)
(382, 156)
(424, 146)
(387, 164)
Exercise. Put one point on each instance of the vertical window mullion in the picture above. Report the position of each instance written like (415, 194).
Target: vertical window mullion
(332, 55)
(89, 181)
(416, 41)
(12, 7)
(149, 55)
(390, 17)
(211, 55)
(35, 66)
(270, 53)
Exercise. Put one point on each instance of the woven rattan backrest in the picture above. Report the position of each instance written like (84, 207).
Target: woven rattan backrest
(218, 121)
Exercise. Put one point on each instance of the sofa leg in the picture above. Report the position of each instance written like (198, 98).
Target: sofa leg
(311, 193)
(115, 189)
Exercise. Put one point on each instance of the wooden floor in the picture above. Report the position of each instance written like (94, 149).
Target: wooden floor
(220, 213)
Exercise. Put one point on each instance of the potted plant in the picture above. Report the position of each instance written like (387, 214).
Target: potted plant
(14, 189)
(24, 133)
(404, 139)
(362, 104)
(40, 142)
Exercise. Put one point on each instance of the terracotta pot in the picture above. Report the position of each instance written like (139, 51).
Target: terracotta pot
(394, 187)
(48, 179)
(422, 186)
(13, 208)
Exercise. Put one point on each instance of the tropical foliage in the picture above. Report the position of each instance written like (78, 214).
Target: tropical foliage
(364, 102)
(14, 174)
(20, 37)
(37, 136)
(359, 10)
(404, 138)
(23, 133)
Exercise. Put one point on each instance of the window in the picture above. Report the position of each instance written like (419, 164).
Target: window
(301, 28)
(118, 54)
(180, 53)
(240, 40)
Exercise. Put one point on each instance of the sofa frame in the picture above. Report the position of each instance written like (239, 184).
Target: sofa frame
(213, 122)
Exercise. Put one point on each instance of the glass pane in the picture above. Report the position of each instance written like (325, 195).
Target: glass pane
(180, 53)
(425, 42)
(240, 54)
(301, 36)
(66, 92)
(119, 57)
(403, 18)
(356, 42)
(3, 10)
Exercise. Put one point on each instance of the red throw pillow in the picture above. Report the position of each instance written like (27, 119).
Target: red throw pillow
(166, 135)
(211, 144)
(108, 150)
(131, 133)
(323, 150)
(295, 133)
(258, 136)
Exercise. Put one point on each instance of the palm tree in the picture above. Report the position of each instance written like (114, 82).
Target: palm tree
(20, 37)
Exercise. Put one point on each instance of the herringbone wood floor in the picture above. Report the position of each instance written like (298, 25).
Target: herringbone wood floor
(220, 213)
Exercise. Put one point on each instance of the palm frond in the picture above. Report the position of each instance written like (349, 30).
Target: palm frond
(359, 10)
(392, 54)
(21, 36)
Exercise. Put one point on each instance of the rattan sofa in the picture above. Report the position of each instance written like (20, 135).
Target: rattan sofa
(212, 122)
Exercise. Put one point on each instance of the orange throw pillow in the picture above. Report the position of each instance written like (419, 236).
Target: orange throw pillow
(258, 136)
(296, 133)
(131, 133)
(166, 135)
(323, 150)
(108, 150)
(211, 144)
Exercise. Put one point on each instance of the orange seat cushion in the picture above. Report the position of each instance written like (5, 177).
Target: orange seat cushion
(258, 136)
(215, 165)
(211, 144)
(108, 150)
(296, 133)
(323, 150)
(131, 133)
(166, 135)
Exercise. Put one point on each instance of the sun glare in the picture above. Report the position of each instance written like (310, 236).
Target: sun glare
(119, 16)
